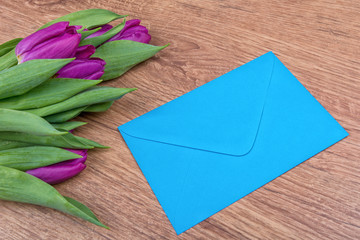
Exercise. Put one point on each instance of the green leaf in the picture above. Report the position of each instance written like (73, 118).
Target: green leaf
(122, 55)
(91, 96)
(8, 46)
(88, 18)
(67, 126)
(51, 91)
(81, 206)
(8, 60)
(99, 107)
(27, 158)
(63, 141)
(19, 121)
(64, 116)
(85, 34)
(5, 144)
(90, 142)
(96, 41)
(24, 77)
(22, 187)
(70, 114)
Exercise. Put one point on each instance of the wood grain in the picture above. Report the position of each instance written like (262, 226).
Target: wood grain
(318, 40)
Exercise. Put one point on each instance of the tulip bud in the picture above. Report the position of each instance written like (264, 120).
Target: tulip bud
(104, 29)
(84, 51)
(81, 152)
(56, 41)
(133, 31)
(90, 68)
(62, 171)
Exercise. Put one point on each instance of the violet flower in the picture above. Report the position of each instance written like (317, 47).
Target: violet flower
(104, 29)
(133, 31)
(56, 41)
(90, 68)
(84, 51)
(62, 171)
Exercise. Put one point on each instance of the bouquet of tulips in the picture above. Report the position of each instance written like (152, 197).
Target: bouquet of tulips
(48, 78)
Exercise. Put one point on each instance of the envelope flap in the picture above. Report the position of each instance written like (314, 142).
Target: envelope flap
(221, 116)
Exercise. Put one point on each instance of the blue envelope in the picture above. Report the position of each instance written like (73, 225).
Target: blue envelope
(214, 145)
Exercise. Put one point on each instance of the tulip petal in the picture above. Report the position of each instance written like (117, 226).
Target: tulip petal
(128, 25)
(95, 76)
(63, 46)
(83, 68)
(84, 51)
(131, 23)
(96, 41)
(77, 27)
(81, 152)
(103, 30)
(127, 34)
(133, 31)
(40, 36)
(137, 37)
(56, 173)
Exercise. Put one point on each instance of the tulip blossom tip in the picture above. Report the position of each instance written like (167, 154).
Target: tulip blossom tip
(58, 40)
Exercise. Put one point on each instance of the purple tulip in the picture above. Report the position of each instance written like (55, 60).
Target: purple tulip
(104, 29)
(81, 152)
(90, 68)
(133, 31)
(84, 51)
(62, 171)
(56, 41)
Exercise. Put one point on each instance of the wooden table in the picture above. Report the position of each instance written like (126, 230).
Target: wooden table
(318, 40)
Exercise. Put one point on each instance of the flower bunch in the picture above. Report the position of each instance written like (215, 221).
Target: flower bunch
(48, 78)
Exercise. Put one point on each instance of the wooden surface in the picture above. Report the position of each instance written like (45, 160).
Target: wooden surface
(319, 41)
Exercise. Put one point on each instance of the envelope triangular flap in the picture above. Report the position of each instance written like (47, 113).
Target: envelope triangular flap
(221, 116)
